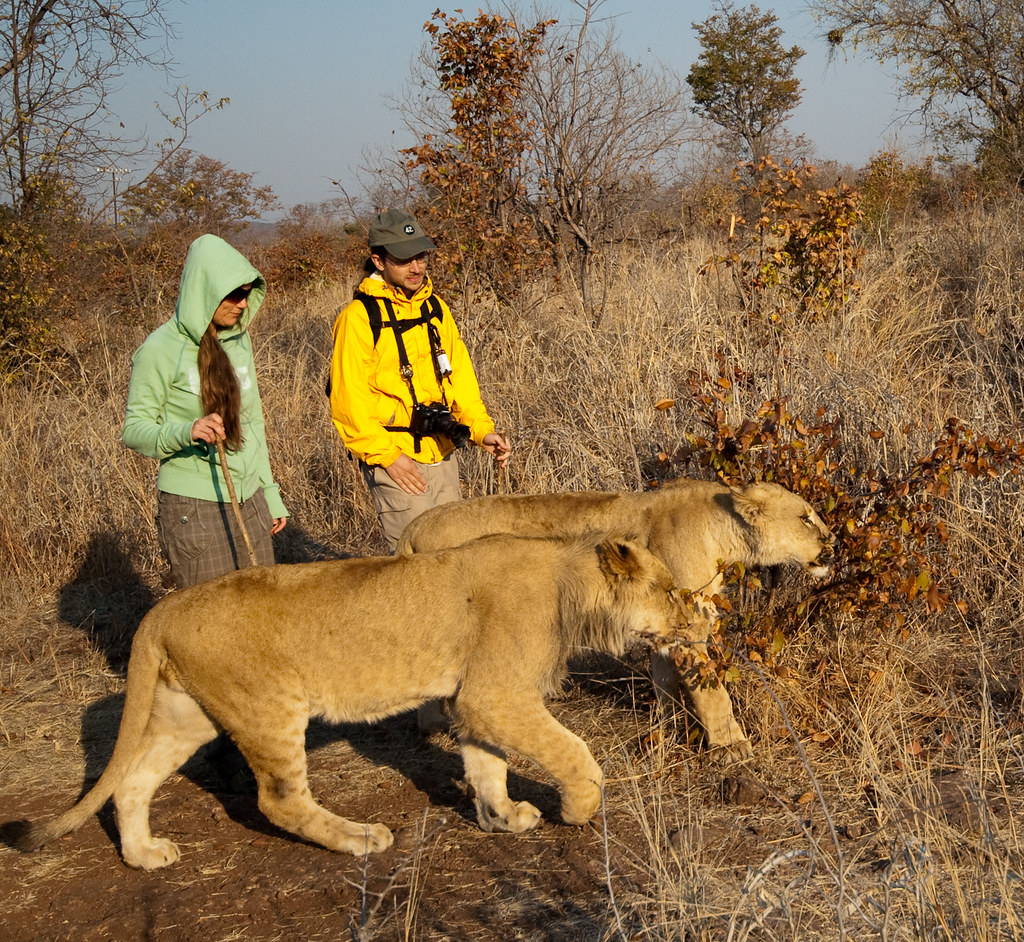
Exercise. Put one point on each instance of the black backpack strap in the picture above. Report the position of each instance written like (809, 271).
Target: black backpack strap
(406, 368)
(403, 357)
(372, 306)
(431, 308)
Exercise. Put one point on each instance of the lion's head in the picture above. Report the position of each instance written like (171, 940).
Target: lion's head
(786, 529)
(645, 595)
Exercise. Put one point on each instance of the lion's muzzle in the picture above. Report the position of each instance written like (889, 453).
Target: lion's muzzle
(822, 563)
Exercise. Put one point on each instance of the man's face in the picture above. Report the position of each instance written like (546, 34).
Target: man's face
(406, 275)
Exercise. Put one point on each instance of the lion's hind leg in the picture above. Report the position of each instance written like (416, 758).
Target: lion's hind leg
(177, 728)
(274, 745)
(432, 717)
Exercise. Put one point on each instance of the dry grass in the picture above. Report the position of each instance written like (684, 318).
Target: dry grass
(891, 807)
(890, 768)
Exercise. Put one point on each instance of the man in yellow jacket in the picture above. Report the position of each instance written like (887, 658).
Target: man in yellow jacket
(403, 392)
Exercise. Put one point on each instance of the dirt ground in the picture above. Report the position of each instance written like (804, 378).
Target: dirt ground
(239, 877)
(677, 845)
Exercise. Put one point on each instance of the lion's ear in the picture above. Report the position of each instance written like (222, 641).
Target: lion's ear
(619, 559)
(746, 505)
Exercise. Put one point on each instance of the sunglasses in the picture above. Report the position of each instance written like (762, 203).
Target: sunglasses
(239, 294)
(404, 262)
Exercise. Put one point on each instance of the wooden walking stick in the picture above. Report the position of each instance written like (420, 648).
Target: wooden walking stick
(234, 500)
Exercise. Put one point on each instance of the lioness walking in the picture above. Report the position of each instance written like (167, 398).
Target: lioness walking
(694, 527)
(257, 652)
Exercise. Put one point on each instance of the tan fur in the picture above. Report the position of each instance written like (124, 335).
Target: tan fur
(693, 526)
(257, 652)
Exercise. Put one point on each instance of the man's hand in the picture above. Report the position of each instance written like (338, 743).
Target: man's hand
(406, 475)
(498, 446)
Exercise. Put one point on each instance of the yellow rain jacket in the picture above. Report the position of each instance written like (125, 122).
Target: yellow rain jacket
(369, 393)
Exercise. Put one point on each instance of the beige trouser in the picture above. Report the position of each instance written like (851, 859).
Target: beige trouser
(396, 509)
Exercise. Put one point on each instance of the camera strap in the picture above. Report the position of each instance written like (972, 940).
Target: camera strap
(430, 310)
(405, 368)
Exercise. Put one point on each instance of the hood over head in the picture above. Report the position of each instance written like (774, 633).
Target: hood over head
(213, 269)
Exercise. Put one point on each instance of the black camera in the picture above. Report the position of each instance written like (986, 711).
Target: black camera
(437, 419)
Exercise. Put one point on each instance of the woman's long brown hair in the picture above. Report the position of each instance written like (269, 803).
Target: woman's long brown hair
(218, 387)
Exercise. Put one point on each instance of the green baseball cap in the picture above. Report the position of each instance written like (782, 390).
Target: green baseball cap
(399, 234)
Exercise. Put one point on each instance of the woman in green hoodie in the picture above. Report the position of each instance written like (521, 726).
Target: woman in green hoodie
(193, 382)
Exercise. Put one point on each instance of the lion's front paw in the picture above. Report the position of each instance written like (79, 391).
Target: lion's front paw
(729, 753)
(151, 855)
(378, 838)
(581, 804)
(524, 818)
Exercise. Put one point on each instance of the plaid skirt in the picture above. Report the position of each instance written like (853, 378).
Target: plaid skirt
(201, 539)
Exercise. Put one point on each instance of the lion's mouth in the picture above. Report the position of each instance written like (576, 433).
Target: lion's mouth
(821, 565)
(665, 636)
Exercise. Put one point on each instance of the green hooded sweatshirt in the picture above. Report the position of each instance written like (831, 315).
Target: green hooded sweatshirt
(163, 394)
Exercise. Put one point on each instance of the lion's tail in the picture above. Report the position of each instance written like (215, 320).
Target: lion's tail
(143, 673)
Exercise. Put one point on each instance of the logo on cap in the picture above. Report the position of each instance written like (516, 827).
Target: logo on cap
(408, 230)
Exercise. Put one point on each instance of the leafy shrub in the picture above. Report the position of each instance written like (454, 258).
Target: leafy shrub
(24, 290)
(798, 255)
(889, 527)
(303, 258)
(39, 242)
(892, 189)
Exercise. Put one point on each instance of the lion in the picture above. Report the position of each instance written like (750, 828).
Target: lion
(255, 653)
(696, 528)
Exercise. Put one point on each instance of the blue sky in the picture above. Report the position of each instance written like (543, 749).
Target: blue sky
(309, 81)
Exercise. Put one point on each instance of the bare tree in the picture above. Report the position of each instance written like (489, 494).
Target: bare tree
(962, 60)
(59, 60)
(606, 129)
(585, 133)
